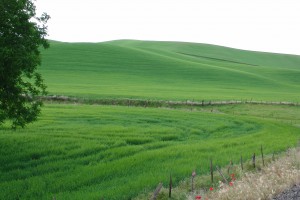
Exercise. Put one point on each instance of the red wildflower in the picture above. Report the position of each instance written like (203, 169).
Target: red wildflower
(231, 183)
(232, 177)
(211, 188)
(198, 197)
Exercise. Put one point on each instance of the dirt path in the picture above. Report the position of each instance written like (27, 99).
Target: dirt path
(291, 194)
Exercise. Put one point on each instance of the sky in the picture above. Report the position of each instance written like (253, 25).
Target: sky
(259, 25)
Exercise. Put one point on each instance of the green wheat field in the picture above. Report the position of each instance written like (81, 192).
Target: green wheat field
(91, 151)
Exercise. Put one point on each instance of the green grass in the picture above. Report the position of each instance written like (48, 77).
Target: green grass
(169, 71)
(90, 151)
(118, 152)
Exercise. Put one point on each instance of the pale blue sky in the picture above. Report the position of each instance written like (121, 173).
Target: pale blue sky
(262, 25)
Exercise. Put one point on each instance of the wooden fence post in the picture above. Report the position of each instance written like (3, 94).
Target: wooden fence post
(170, 186)
(253, 160)
(262, 155)
(242, 163)
(229, 167)
(288, 152)
(211, 171)
(193, 176)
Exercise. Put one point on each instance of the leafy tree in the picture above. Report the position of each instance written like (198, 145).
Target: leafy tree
(22, 33)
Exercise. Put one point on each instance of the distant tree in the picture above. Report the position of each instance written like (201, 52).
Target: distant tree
(22, 33)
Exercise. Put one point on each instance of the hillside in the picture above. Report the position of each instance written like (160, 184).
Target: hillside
(81, 151)
(169, 70)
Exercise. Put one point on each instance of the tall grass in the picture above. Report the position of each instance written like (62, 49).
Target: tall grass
(90, 151)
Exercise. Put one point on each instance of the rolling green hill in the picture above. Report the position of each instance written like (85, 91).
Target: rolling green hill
(169, 70)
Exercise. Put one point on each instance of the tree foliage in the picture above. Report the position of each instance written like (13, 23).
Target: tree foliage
(22, 33)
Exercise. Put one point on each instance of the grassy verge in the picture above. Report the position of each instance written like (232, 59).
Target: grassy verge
(279, 173)
(264, 184)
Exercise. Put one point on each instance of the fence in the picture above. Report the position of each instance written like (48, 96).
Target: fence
(225, 177)
(157, 103)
